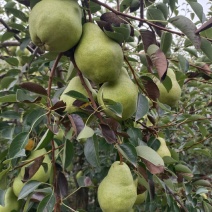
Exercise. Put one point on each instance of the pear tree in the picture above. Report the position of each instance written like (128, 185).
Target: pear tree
(105, 105)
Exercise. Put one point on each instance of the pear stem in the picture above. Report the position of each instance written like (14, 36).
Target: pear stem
(121, 158)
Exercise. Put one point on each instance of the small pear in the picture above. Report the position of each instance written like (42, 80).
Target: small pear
(98, 57)
(163, 149)
(55, 25)
(75, 84)
(117, 192)
(10, 201)
(123, 91)
(141, 198)
(172, 97)
(18, 184)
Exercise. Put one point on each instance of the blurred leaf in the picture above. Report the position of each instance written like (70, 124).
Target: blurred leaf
(188, 28)
(142, 107)
(135, 4)
(8, 82)
(183, 63)
(8, 98)
(198, 9)
(108, 133)
(18, 14)
(62, 185)
(33, 87)
(135, 135)
(150, 155)
(23, 96)
(206, 47)
(166, 42)
(28, 188)
(94, 7)
(45, 140)
(124, 5)
(12, 61)
(129, 152)
(163, 8)
(115, 107)
(47, 203)
(77, 95)
(91, 151)
(86, 132)
(18, 144)
(68, 153)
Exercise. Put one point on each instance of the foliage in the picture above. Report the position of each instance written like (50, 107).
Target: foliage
(83, 145)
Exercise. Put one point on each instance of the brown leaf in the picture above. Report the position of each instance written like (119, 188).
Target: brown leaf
(205, 26)
(108, 134)
(152, 168)
(62, 185)
(77, 122)
(32, 168)
(59, 106)
(151, 88)
(33, 87)
(160, 62)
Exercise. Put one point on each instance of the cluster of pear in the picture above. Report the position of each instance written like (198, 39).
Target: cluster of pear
(41, 175)
(172, 96)
(56, 26)
(117, 191)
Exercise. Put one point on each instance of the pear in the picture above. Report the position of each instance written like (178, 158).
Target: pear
(75, 84)
(117, 191)
(141, 198)
(40, 175)
(123, 91)
(172, 97)
(163, 149)
(98, 57)
(10, 201)
(55, 25)
(18, 184)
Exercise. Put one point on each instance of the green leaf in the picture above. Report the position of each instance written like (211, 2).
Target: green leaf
(135, 135)
(124, 5)
(47, 203)
(166, 41)
(12, 61)
(187, 27)
(10, 114)
(142, 107)
(28, 188)
(183, 63)
(163, 8)
(91, 151)
(115, 107)
(123, 29)
(206, 47)
(86, 132)
(6, 36)
(77, 95)
(18, 14)
(116, 36)
(156, 15)
(24, 96)
(150, 155)
(129, 152)
(8, 98)
(45, 140)
(68, 153)
(198, 9)
(18, 144)
(167, 83)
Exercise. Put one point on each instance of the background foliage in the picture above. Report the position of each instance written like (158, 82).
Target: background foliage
(81, 147)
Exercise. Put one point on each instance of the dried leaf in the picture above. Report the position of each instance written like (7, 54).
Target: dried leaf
(32, 168)
(154, 169)
(59, 106)
(108, 134)
(33, 87)
(62, 185)
(78, 122)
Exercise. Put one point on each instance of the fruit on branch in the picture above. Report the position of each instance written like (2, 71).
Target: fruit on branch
(76, 85)
(10, 201)
(99, 58)
(41, 175)
(18, 184)
(163, 149)
(141, 198)
(122, 91)
(117, 191)
(172, 96)
(55, 25)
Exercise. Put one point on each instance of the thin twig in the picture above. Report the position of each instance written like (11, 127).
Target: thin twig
(136, 18)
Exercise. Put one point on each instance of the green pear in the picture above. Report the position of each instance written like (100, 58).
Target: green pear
(163, 149)
(141, 198)
(117, 191)
(172, 97)
(98, 57)
(10, 201)
(55, 25)
(123, 91)
(40, 175)
(75, 84)
(18, 184)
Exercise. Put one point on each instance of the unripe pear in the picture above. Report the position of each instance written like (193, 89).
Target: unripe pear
(40, 175)
(10, 202)
(163, 149)
(117, 192)
(98, 57)
(172, 96)
(55, 25)
(141, 198)
(75, 84)
(18, 185)
(123, 91)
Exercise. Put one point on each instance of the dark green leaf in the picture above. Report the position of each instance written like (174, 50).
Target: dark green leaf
(68, 153)
(12, 61)
(142, 107)
(45, 140)
(77, 95)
